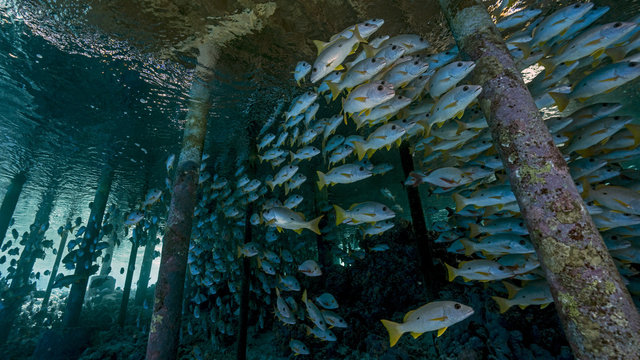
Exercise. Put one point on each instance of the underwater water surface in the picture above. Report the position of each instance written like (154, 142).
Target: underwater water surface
(92, 85)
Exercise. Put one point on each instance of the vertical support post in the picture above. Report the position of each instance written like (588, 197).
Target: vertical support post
(145, 268)
(75, 300)
(167, 308)
(9, 203)
(129, 278)
(594, 306)
(419, 226)
(20, 284)
(56, 265)
(107, 258)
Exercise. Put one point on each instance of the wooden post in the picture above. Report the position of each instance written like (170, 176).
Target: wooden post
(167, 308)
(145, 268)
(135, 240)
(56, 264)
(9, 203)
(595, 309)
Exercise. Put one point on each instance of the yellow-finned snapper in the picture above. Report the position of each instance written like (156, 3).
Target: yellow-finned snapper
(345, 174)
(591, 42)
(517, 18)
(293, 201)
(610, 219)
(603, 80)
(384, 111)
(377, 228)
(534, 293)
(498, 226)
(284, 218)
(365, 212)
(301, 70)
(415, 89)
(324, 335)
(479, 270)
(152, 197)
(616, 198)
(308, 137)
(389, 52)
(298, 347)
(310, 113)
(520, 263)
(294, 183)
(441, 59)
(266, 140)
(366, 96)
(627, 138)
(340, 154)
(281, 139)
(333, 143)
(327, 301)
(289, 282)
(304, 153)
(588, 114)
(331, 57)
(597, 132)
(358, 74)
(365, 28)
(412, 43)
(383, 136)
(618, 53)
(271, 154)
(453, 103)
(446, 177)
(498, 245)
(282, 176)
(372, 44)
(133, 218)
(448, 77)
(556, 23)
(437, 315)
(334, 76)
(170, 160)
(402, 73)
(310, 268)
(333, 319)
(300, 104)
(499, 195)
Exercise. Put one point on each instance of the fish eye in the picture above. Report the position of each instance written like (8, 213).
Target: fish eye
(415, 62)
(373, 60)
(501, 267)
(394, 47)
(521, 242)
(367, 24)
(421, 39)
(380, 87)
(614, 237)
(592, 160)
(384, 208)
(447, 53)
(465, 88)
(315, 69)
(576, 6)
(483, 167)
(616, 117)
(393, 127)
(459, 64)
(632, 64)
(457, 306)
(617, 25)
(361, 168)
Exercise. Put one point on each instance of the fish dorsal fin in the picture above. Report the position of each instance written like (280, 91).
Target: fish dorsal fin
(353, 206)
(441, 331)
(416, 334)
(406, 316)
(301, 215)
(321, 45)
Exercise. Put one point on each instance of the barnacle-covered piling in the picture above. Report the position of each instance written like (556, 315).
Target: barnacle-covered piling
(167, 308)
(598, 316)
(9, 203)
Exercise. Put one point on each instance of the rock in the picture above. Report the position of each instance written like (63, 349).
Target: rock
(58, 344)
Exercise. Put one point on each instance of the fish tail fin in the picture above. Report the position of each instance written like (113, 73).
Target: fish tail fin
(548, 64)
(561, 100)
(239, 255)
(271, 185)
(525, 47)
(503, 304)
(321, 180)
(635, 131)
(451, 272)
(304, 296)
(461, 126)
(474, 230)
(394, 331)
(293, 156)
(260, 158)
(369, 50)
(341, 215)
(286, 189)
(314, 225)
(460, 202)
(469, 247)
(511, 289)
(335, 90)
(321, 45)
(360, 150)
(616, 54)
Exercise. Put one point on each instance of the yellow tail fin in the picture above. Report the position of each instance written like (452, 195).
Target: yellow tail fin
(511, 289)
(360, 150)
(635, 131)
(503, 303)
(468, 247)
(321, 180)
(451, 271)
(562, 100)
(474, 230)
(460, 202)
(321, 45)
(313, 225)
(548, 64)
(341, 215)
(286, 188)
(616, 54)
(394, 331)
(271, 185)
(335, 91)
